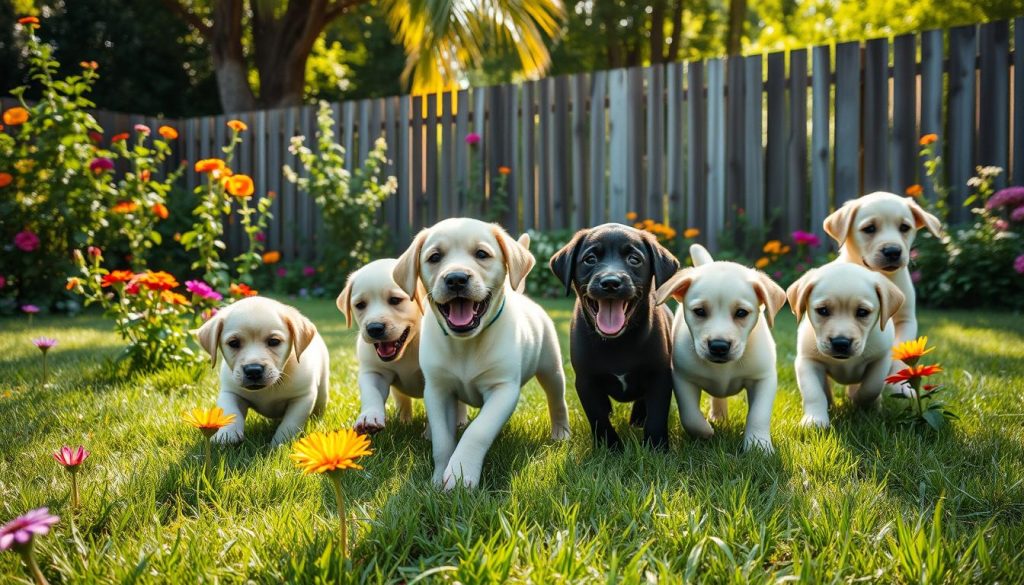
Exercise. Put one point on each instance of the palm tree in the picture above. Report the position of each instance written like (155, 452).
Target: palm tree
(440, 37)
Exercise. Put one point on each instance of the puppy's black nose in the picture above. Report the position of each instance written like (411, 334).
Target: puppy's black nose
(253, 371)
(610, 283)
(892, 253)
(841, 344)
(719, 347)
(456, 281)
(376, 330)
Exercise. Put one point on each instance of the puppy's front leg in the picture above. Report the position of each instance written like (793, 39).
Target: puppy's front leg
(373, 392)
(468, 459)
(658, 401)
(234, 432)
(688, 400)
(810, 377)
(761, 399)
(294, 420)
(868, 391)
(598, 409)
(441, 417)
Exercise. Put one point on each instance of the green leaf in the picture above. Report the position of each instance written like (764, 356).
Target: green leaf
(934, 419)
(156, 237)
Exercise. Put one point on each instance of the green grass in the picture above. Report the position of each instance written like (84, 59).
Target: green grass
(869, 500)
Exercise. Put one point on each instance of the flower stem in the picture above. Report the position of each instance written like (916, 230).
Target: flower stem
(33, 567)
(74, 490)
(209, 459)
(342, 515)
(44, 369)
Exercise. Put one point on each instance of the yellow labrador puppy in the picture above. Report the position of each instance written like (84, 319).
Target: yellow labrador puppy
(877, 231)
(388, 344)
(722, 343)
(847, 335)
(482, 340)
(275, 363)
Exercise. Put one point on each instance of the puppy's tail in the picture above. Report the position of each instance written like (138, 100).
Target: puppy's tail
(700, 255)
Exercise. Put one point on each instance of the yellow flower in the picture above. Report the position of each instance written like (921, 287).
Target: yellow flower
(334, 451)
(208, 421)
(911, 351)
(240, 186)
(631, 216)
(762, 262)
(691, 233)
(25, 165)
(772, 247)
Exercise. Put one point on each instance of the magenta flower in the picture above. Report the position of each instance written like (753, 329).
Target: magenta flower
(30, 309)
(26, 241)
(203, 290)
(806, 238)
(18, 533)
(100, 164)
(282, 272)
(44, 343)
(472, 139)
(777, 274)
(3, 281)
(1010, 197)
(1017, 214)
(1018, 264)
(71, 458)
(142, 129)
(261, 237)
(308, 271)
(915, 276)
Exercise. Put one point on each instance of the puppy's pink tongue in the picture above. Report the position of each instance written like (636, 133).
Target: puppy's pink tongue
(460, 312)
(387, 349)
(611, 315)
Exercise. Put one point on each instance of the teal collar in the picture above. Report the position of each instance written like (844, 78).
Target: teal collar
(489, 323)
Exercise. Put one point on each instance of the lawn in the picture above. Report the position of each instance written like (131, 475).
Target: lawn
(868, 500)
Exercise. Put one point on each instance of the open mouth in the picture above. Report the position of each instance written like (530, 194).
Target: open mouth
(610, 315)
(389, 350)
(884, 267)
(463, 314)
(254, 386)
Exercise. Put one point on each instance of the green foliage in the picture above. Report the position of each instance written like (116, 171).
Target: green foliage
(349, 202)
(541, 282)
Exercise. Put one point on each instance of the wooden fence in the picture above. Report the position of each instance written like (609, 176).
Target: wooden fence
(785, 137)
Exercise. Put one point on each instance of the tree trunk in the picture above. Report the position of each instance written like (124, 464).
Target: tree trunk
(657, 49)
(737, 16)
(225, 38)
(675, 47)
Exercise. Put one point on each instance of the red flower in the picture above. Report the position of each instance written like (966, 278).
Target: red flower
(160, 210)
(907, 374)
(116, 276)
(119, 137)
(242, 290)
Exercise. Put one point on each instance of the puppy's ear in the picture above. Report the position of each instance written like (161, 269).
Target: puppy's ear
(344, 300)
(407, 270)
(209, 336)
(890, 299)
(839, 223)
(800, 291)
(524, 240)
(563, 262)
(676, 286)
(663, 263)
(421, 293)
(923, 219)
(770, 295)
(518, 259)
(301, 330)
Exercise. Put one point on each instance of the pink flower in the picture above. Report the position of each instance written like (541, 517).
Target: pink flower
(913, 254)
(100, 164)
(142, 129)
(1002, 225)
(915, 276)
(1018, 264)
(1017, 214)
(308, 271)
(18, 533)
(3, 281)
(94, 252)
(26, 241)
(806, 238)
(1010, 197)
(203, 290)
(261, 237)
(777, 274)
(71, 458)
(30, 309)
(282, 272)
(44, 343)
(472, 139)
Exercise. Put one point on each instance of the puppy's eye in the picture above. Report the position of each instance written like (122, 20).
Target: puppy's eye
(904, 228)
(861, 313)
(823, 311)
(634, 260)
(700, 312)
(590, 259)
(395, 300)
(273, 342)
(361, 305)
(234, 343)
(869, 229)
(434, 258)
(482, 254)
(741, 313)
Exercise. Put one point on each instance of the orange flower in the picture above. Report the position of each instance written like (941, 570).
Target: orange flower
(208, 165)
(119, 137)
(161, 280)
(504, 170)
(124, 207)
(15, 116)
(168, 133)
(907, 374)
(928, 139)
(208, 421)
(160, 210)
(911, 351)
(6, 179)
(33, 20)
(242, 290)
(145, 175)
(237, 125)
(173, 298)
(772, 247)
(691, 233)
(631, 216)
(72, 283)
(240, 186)
(89, 65)
(762, 262)
(116, 276)
(914, 190)
(271, 257)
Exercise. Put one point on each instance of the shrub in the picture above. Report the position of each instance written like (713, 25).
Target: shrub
(541, 282)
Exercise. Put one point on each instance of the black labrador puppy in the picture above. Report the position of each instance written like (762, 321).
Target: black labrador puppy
(620, 341)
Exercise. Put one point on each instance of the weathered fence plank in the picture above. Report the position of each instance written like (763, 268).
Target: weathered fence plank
(1018, 102)
(848, 125)
(963, 51)
(655, 143)
(903, 146)
(696, 133)
(597, 156)
(578, 92)
(775, 173)
(994, 98)
(716, 152)
(753, 155)
(796, 173)
(931, 97)
(675, 139)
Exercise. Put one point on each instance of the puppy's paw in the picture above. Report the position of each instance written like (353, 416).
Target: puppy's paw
(426, 432)
(699, 429)
(560, 432)
(810, 421)
(451, 482)
(902, 389)
(227, 436)
(369, 422)
(764, 443)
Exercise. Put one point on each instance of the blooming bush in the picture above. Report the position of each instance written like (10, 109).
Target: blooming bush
(349, 202)
(541, 282)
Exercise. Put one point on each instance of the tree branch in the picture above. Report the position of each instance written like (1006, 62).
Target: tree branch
(190, 18)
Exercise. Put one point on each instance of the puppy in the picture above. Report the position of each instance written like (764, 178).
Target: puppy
(482, 340)
(722, 343)
(275, 362)
(877, 231)
(847, 335)
(620, 342)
